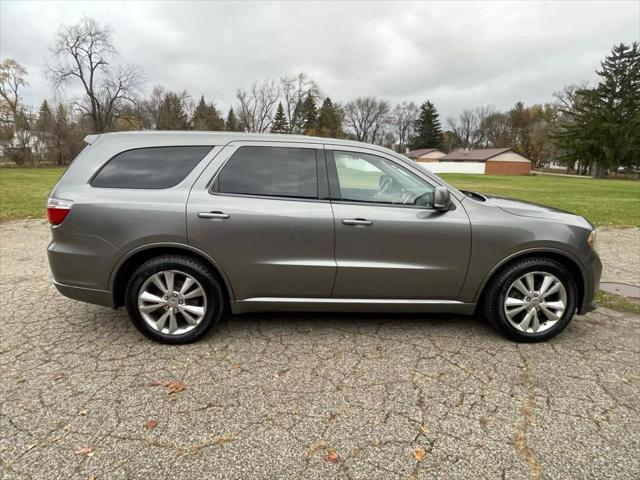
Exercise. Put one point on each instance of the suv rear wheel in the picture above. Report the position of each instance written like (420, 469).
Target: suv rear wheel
(174, 299)
(531, 300)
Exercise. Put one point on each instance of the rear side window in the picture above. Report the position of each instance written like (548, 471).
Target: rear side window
(156, 167)
(271, 171)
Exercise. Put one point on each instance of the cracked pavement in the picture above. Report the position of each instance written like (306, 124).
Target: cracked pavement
(305, 395)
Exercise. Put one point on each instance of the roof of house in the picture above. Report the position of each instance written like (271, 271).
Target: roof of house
(422, 151)
(474, 155)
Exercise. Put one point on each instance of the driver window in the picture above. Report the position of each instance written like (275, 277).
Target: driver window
(369, 178)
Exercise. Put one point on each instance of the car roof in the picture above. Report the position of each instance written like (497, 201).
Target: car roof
(190, 137)
(110, 144)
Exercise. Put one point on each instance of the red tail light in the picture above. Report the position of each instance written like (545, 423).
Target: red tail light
(57, 210)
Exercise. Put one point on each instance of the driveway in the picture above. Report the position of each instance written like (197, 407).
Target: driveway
(83, 395)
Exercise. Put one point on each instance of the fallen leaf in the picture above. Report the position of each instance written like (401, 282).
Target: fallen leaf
(222, 440)
(156, 383)
(175, 387)
(150, 424)
(86, 451)
(83, 412)
(424, 429)
(332, 457)
(420, 453)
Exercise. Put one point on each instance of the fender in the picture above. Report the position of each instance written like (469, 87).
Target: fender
(180, 246)
(530, 251)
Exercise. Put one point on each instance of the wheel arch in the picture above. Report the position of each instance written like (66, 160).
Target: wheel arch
(128, 263)
(567, 260)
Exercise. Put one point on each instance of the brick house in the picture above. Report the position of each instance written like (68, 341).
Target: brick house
(425, 154)
(497, 161)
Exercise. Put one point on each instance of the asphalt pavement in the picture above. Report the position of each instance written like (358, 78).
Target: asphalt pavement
(317, 396)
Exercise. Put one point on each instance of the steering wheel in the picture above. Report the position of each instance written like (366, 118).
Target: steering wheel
(385, 183)
(425, 195)
(406, 197)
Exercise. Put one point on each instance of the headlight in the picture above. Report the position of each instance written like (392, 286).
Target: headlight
(592, 240)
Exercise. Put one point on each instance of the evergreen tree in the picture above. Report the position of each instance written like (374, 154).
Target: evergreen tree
(600, 126)
(329, 120)
(206, 117)
(298, 118)
(280, 124)
(310, 115)
(232, 124)
(61, 133)
(172, 114)
(45, 119)
(427, 128)
(43, 126)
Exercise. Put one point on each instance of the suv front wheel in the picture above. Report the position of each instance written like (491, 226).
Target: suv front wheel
(174, 299)
(531, 300)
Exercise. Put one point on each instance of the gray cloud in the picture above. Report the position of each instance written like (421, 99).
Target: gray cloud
(457, 54)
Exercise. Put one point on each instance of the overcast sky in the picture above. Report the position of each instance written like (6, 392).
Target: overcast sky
(456, 54)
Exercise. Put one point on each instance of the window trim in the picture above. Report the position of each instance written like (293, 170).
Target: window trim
(93, 177)
(322, 194)
(334, 182)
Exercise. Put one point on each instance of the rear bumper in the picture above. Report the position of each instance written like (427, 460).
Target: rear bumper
(89, 295)
(593, 267)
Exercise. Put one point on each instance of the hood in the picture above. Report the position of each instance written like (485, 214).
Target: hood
(528, 209)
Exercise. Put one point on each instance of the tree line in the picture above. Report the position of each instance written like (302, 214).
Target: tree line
(591, 130)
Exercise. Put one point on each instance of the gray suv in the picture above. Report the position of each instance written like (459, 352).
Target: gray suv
(182, 227)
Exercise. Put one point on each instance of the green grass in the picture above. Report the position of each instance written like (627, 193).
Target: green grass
(603, 202)
(617, 302)
(24, 191)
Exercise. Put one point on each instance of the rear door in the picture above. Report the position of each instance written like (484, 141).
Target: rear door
(390, 242)
(261, 210)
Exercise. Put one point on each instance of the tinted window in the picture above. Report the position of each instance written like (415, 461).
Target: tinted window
(369, 178)
(157, 167)
(274, 171)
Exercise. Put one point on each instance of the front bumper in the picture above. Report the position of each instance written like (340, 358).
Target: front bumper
(593, 267)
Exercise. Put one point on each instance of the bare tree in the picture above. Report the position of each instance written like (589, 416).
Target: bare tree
(294, 89)
(367, 117)
(464, 127)
(480, 136)
(13, 77)
(497, 130)
(256, 106)
(84, 53)
(402, 119)
(15, 120)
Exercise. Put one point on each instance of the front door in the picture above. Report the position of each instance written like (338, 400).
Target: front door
(390, 242)
(261, 211)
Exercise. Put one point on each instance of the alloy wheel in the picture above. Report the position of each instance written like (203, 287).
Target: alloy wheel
(535, 302)
(172, 302)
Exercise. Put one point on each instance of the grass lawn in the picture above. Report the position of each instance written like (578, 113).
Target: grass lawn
(24, 191)
(603, 202)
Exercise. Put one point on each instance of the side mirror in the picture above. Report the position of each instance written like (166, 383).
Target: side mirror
(441, 199)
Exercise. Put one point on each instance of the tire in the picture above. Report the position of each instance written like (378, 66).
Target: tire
(510, 317)
(178, 317)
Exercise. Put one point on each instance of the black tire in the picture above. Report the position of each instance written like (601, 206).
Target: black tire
(494, 296)
(193, 267)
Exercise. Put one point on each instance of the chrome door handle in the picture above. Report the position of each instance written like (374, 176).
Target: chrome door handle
(357, 222)
(213, 215)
